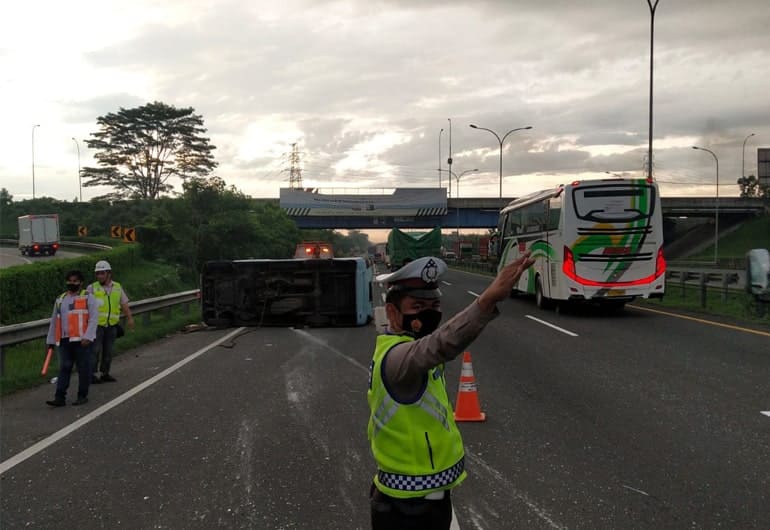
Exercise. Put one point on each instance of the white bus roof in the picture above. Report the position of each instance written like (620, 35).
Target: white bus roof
(553, 192)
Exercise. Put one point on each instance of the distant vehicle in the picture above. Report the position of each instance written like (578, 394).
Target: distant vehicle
(39, 234)
(314, 249)
(597, 240)
(412, 245)
(450, 255)
(380, 253)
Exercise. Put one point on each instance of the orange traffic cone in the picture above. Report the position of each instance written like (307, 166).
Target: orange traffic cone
(467, 407)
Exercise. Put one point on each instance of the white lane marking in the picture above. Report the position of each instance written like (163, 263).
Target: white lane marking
(445, 283)
(510, 489)
(636, 490)
(557, 328)
(766, 413)
(454, 525)
(72, 427)
(383, 297)
(473, 294)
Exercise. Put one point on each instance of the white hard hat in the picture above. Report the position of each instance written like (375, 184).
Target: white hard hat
(102, 266)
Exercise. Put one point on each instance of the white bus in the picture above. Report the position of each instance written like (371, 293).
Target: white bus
(596, 240)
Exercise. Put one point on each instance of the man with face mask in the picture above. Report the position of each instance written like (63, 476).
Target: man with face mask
(412, 433)
(73, 329)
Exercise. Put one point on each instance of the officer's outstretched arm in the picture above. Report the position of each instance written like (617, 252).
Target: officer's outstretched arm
(501, 286)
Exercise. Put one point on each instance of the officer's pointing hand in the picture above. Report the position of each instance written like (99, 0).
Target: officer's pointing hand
(501, 286)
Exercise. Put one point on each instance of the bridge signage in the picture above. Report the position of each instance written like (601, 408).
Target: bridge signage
(402, 202)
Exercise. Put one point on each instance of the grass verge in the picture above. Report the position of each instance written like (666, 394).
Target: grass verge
(23, 362)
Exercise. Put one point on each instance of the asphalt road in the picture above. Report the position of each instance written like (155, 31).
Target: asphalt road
(637, 420)
(10, 257)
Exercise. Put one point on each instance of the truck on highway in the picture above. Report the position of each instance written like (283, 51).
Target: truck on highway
(39, 234)
(412, 245)
(314, 250)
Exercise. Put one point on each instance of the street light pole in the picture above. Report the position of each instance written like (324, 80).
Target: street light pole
(80, 181)
(472, 126)
(652, 33)
(439, 156)
(716, 217)
(449, 160)
(743, 160)
(33, 159)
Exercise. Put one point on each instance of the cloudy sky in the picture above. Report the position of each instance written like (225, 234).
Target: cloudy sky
(365, 86)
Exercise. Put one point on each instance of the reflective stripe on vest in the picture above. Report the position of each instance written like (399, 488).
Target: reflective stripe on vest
(417, 445)
(108, 304)
(77, 318)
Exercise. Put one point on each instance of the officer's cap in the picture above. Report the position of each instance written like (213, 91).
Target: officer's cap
(418, 278)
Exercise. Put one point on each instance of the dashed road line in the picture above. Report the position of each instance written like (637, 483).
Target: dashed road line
(766, 413)
(445, 283)
(554, 326)
(473, 294)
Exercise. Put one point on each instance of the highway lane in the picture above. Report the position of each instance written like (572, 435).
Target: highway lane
(635, 421)
(10, 257)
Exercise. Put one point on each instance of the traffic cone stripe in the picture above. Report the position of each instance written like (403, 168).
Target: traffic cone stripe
(467, 407)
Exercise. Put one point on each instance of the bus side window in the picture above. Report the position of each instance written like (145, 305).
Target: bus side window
(554, 212)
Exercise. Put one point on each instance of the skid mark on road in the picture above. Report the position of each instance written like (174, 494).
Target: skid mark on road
(507, 486)
(331, 348)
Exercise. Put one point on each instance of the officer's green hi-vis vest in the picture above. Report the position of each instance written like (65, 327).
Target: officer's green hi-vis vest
(109, 305)
(417, 446)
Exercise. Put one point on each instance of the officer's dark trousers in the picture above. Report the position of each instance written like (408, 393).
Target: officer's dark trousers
(102, 350)
(69, 354)
(389, 513)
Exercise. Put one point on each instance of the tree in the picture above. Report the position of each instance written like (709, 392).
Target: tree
(749, 186)
(139, 149)
(5, 198)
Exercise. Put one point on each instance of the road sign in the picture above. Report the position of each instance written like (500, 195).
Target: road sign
(116, 231)
(129, 235)
(82, 231)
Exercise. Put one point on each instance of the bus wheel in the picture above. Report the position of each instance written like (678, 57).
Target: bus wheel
(540, 298)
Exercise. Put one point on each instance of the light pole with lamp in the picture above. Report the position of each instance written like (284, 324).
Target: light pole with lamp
(33, 159)
(743, 160)
(501, 146)
(449, 160)
(80, 181)
(457, 192)
(439, 156)
(652, 33)
(716, 217)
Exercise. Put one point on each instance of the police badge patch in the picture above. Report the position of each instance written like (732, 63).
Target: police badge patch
(429, 272)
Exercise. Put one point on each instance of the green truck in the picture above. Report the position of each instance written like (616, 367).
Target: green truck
(412, 245)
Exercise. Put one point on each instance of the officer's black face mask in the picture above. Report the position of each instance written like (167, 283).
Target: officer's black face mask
(421, 324)
(73, 287)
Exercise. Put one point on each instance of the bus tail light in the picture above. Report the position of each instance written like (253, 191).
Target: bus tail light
(660, 263)
(568, 266)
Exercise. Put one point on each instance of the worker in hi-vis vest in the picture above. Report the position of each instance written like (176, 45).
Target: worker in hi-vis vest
(413, 436)
(111, 299)
(73, 330)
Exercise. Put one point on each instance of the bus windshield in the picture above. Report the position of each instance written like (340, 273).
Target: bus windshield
(613, 203)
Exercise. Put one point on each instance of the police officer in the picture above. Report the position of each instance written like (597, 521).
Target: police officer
(413, 437)
(111, 299)
(73, 329)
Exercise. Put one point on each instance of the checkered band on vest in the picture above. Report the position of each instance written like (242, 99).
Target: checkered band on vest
(422, 482)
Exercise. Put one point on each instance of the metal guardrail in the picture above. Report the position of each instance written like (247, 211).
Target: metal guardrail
(25, 331)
